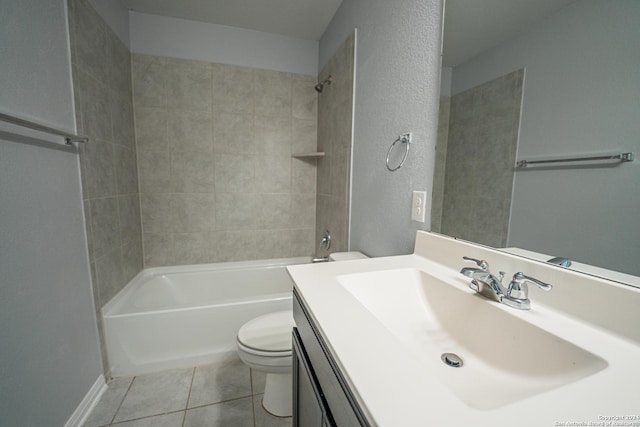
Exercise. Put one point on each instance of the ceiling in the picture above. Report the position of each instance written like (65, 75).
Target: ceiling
(473, 26)
(303, 19)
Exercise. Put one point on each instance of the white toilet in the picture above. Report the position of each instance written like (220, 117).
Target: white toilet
(264, 344)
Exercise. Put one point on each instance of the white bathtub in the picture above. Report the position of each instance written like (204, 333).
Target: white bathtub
(173, 317)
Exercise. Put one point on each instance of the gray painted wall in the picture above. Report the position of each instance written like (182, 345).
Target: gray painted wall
(49, 354)
(581, 96)
(35, 70)
(397, 91)
(184, 39)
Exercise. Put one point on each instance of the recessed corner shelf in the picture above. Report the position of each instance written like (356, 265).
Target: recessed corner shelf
(308, 155)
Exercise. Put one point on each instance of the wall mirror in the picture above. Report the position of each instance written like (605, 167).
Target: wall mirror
(538, 80)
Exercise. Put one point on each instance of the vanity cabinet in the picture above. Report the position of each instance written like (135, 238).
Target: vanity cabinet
(321, 395)
(309, 405)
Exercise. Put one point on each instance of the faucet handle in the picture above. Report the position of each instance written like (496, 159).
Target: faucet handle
(484, 265)
(518, 288)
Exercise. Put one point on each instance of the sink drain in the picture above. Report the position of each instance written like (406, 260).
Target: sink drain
(452, 359)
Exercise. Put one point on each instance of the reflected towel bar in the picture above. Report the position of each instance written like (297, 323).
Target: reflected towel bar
(622, 157)
(69, 138)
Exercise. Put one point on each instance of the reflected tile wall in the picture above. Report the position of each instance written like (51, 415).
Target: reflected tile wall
(481, 151)
(335, 106)
(101, 68)
(217, 179)
(441, 158)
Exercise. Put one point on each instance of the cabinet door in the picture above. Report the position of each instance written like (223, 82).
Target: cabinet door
(309, 409)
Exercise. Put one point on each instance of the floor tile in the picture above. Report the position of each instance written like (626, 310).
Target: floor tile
(236, 413)
(265, 419)
(167, 420)
(103, 413)
(258, 380)
(225, 380)
(156, 393)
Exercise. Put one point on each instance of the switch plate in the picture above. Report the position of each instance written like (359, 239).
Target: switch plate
(418, 203)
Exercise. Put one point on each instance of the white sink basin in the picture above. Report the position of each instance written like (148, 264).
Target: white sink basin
(505, 358)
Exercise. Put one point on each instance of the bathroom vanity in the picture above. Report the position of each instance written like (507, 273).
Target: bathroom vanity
(321, 395)
(405, 340)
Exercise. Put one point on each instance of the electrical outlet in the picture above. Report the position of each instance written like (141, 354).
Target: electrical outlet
(418, 203)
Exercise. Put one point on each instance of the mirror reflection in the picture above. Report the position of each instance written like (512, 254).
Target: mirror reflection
(533, 80)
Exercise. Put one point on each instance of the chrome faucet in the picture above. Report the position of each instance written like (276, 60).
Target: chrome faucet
(561, 261)
(516, 295)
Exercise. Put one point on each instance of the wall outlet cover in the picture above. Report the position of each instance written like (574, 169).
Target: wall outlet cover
(418, 204)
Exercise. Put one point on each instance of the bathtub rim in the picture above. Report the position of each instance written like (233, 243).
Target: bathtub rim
(111, 307)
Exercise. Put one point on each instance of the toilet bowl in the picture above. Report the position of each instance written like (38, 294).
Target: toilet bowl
(264, 344)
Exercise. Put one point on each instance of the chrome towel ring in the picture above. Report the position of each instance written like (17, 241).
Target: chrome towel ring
(406, 139)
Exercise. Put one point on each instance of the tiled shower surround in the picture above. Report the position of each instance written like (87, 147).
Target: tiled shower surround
(480, 159)
(214, 146)
(101, 69)
(335, 106)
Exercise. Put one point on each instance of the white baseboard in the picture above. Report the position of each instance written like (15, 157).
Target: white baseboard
(85, 407)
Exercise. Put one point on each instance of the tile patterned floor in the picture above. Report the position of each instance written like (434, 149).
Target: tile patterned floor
(226, 393)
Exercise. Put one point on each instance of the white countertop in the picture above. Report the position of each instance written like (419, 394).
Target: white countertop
(395, 388)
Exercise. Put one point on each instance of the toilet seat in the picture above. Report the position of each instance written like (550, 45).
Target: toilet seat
(268, 335)
(261, 353)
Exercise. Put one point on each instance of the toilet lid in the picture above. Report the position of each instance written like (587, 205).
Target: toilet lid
(270, 332)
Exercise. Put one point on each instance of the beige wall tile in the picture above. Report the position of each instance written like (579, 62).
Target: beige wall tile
(156, 212)
(109, 274)
(149, 78)
(222, 160)
(122, 118)
(303, 210)
(193, 212)
(189, 85)
(157, 249)
(190, 130)
(105, 226)
(96, 109)
(129, 217)
(272, 134)
(154, 168)
(191, 248)
(274, 211)
(237, 245)
(132, 261)
(236, 211)
(304, 97)
(304, 134)
(151, 128)
(303, 176)
(192, 172)
(233, 133)
(234, 173)
(125, 170)
(273, 173)
(233, 89)
(273, 93)
(98, 169)
(90, 41)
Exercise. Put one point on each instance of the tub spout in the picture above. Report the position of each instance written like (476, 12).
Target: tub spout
(322, 259)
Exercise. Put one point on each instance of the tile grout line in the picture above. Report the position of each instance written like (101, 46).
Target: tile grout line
(122, 400)
(253, 406)
(147, 416)
(184, 416)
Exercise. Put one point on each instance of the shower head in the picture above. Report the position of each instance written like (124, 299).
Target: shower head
(320, 86)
